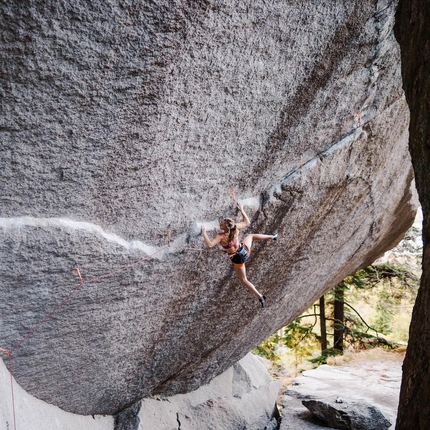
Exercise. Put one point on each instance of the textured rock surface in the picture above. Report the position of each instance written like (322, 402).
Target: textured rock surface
(128, 419)
(34, 414)
(348, 415)
(121, 121)
(244, 396)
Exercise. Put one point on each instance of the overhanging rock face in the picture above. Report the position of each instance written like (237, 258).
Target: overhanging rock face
(122, 122)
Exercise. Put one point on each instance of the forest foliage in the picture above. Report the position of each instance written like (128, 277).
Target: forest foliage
(371, 307)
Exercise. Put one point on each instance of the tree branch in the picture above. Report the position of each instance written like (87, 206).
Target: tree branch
(362, 319)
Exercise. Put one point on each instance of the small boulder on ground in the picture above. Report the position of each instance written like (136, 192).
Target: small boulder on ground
(348, 415)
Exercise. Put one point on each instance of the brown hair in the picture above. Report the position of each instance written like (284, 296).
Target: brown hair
(231, 229)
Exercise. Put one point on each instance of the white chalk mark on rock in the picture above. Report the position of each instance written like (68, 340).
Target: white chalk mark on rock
(64, 223)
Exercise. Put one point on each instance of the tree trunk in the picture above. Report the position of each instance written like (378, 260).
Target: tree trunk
(412, 32)
(338, 317)
(323, 326)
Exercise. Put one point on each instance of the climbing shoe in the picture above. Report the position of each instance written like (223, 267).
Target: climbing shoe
(275, 236)
(261, 300)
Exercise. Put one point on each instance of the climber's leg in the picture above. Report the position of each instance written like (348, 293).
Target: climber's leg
(251, 237)
(241, 274)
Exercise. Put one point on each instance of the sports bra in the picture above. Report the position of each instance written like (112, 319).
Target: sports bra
(231, 244)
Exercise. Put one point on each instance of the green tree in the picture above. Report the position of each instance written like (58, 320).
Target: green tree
(384, 286)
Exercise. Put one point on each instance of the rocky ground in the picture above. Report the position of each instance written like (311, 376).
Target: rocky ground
(373, 376)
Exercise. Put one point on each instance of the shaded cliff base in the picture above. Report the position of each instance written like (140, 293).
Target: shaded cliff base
(244, 396)
(35, 414)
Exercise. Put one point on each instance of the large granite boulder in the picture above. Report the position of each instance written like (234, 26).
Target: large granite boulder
(123, 121)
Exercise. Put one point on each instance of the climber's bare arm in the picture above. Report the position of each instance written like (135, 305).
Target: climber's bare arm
(245, 221)
(210, 243)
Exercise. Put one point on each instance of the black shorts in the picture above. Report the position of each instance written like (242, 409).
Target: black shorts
(240, 256)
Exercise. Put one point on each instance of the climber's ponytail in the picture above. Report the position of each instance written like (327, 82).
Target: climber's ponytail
(231, 229)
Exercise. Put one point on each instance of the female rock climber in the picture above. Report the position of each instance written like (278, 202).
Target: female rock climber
(238, 252)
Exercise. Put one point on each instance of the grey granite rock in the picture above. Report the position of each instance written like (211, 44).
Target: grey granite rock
(121, 121)
(128, 419)
(242, 397)
(348, 415)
